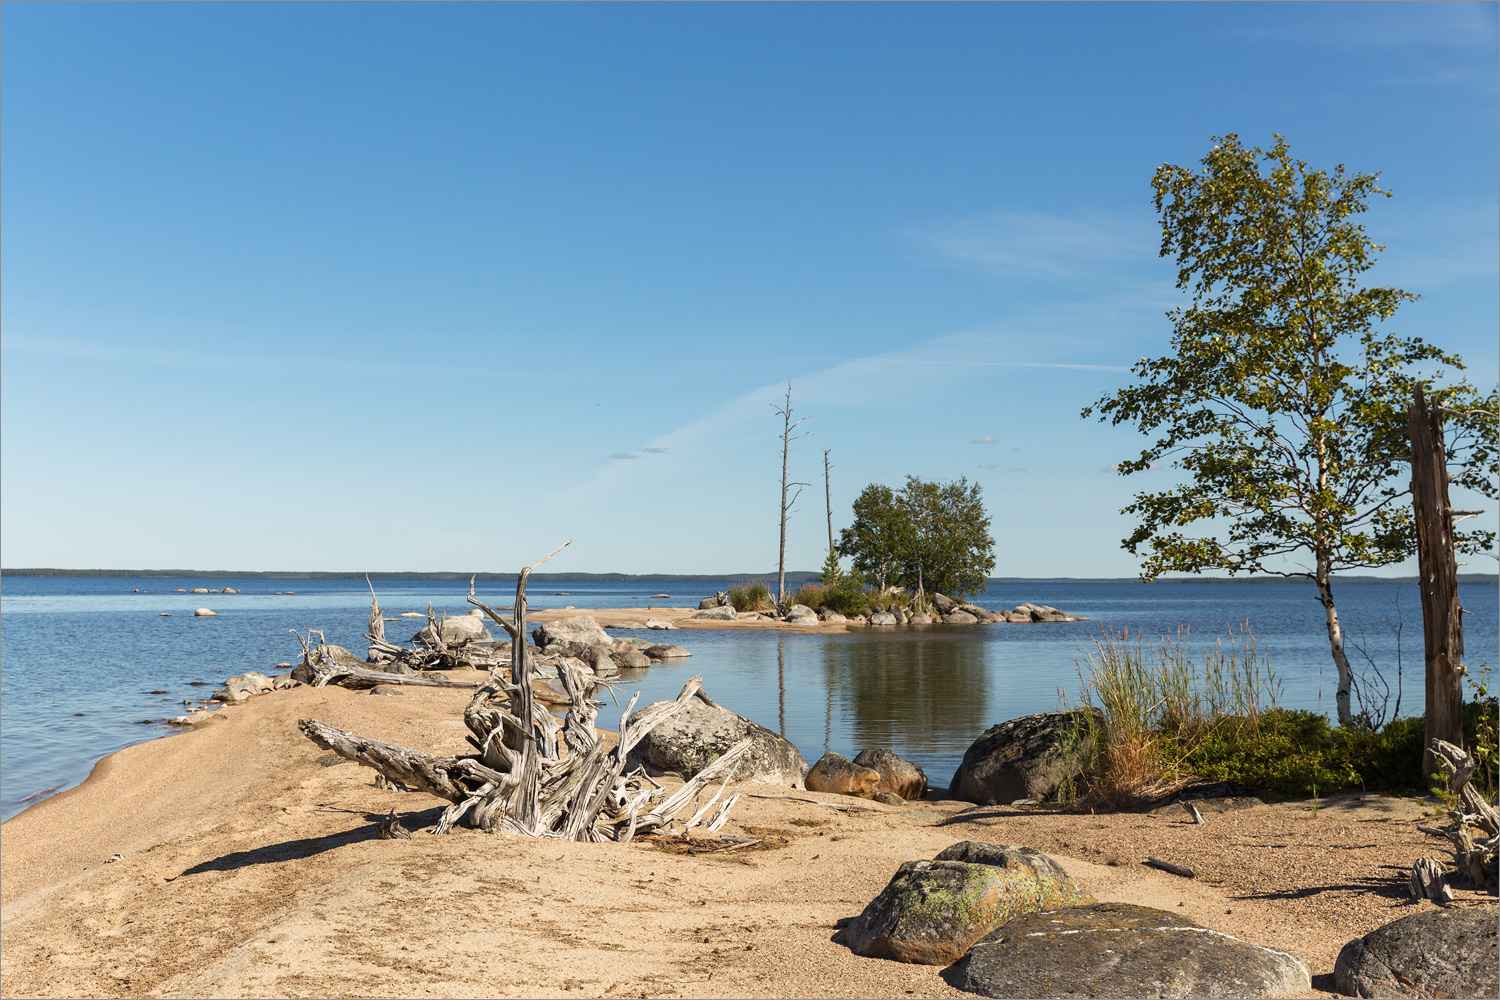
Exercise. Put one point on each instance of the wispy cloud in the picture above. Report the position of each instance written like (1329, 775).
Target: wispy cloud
(987, 439)
(1042, 245)
(1461, 26)
(622, 456)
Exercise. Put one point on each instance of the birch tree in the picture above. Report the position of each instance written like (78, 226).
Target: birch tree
(1282, 402)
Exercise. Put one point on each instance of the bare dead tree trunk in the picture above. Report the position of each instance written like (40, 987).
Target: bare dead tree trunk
(1437, 569)
(786, 447)
(828, 497)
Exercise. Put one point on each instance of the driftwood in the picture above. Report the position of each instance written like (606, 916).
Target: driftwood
(1192, 810)
(1428, 882)
(533, 774)
(1167, 866)
(1475, 830)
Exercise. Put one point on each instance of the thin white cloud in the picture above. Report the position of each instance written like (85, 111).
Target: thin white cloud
(1043, 245)
(987, 439)
(1449, 26)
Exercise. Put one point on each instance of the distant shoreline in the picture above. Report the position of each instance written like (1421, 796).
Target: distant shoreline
(799, 576)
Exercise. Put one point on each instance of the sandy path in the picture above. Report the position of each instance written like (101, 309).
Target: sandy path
(251, 870)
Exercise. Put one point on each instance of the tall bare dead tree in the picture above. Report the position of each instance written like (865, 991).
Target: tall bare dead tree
(787, 426)
(828, 497)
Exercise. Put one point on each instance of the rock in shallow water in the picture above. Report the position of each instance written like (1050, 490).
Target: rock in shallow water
(1122, 950)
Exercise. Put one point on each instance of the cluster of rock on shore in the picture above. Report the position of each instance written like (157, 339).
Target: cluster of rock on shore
(946, 611)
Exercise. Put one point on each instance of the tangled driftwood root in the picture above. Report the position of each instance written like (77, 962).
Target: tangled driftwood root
(1475, 831)
(530, 773)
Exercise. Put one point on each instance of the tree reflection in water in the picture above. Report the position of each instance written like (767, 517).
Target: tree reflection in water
(923, 694)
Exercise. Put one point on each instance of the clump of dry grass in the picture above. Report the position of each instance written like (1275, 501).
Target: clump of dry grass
(1158, 705)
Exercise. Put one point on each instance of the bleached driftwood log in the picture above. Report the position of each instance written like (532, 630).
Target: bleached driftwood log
(530, 773)
(1475, 830)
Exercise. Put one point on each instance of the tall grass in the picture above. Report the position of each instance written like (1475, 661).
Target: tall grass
(752, 596)
(1158, 704)
(844, 599)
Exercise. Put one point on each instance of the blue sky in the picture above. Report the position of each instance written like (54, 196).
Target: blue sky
(435, 286)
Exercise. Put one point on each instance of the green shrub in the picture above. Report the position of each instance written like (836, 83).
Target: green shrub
(843, 599)
(752, 596)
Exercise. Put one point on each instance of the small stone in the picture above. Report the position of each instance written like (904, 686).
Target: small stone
(205, 613)
(837, 775)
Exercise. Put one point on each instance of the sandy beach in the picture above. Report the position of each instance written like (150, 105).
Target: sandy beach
(250, 866)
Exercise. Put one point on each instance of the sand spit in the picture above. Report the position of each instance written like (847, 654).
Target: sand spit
(249, 867)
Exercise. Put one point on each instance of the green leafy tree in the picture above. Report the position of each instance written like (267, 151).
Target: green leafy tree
(929, 537)
(1282, 402)
(878, 535)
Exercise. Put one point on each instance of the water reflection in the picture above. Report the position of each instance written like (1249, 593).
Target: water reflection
(921, 693)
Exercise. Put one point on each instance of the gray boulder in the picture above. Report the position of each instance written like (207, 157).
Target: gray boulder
(920, 618)
(719, 600)
(1447, 952)
(959, 618)
(882, 618)
(897, 775)
(463, 628)
(630, 659)
(661, 651)
(1025, 758)
(1123, 950)
(722, 613)
(801, 613)
(980, 614)
(244, 686)
(659, 623)
(577, 635)
(697, 735)
(832, 617)
(945, 605)
(603, 661)
(931, 912)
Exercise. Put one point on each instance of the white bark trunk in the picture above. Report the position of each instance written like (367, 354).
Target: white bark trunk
(1336, 644)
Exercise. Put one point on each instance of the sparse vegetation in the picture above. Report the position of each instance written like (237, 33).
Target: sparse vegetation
(752, 596)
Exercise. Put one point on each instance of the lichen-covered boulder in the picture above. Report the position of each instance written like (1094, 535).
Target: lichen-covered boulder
(1123, 950)
(932, 911)
(1011, 856)
(1447, 952)
(837, 775)
(959, 618)
(699, 734)
(720, 613)
(1025, 758)
(459, 629)
(897, 775)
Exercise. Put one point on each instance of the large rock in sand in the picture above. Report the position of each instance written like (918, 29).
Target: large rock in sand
(1025, 758)
(244, 686)
(897, 776)
(1123, 950)
(722, 613)
(837, 775)
(932, 911)
(699, 734)
(1445, 952)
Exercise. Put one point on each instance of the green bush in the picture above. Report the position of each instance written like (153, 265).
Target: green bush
(845, 600)
(752, 596)
(1296, 752)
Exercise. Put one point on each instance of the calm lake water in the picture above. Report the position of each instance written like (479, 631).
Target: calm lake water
(82, 656)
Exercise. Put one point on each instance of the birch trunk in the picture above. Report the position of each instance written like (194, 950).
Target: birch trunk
(1335, 642)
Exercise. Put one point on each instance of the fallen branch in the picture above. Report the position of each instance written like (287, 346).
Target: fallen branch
(1167, 866)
